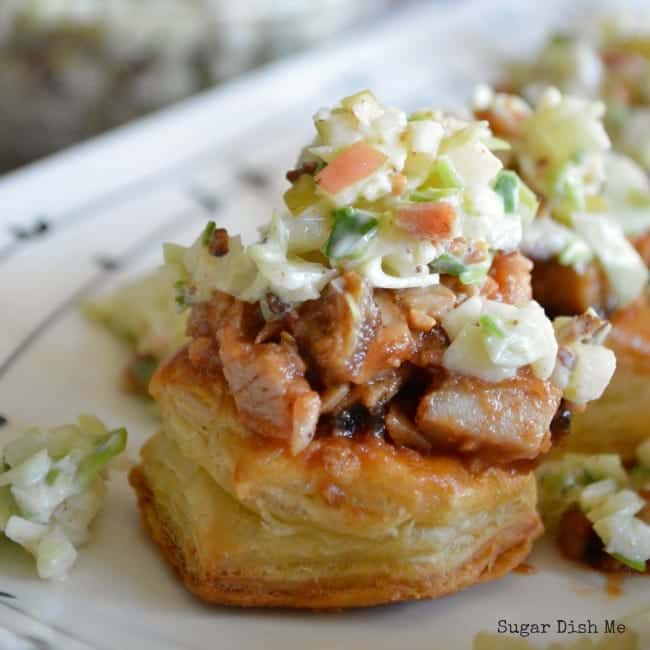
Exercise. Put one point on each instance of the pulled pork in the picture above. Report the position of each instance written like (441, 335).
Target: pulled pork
(357, 360)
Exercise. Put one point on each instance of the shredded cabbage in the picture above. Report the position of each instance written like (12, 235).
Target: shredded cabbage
(633, 138)
(53, 488)
(592, 196)
(563, 130)
(492, 340)
(627, 191)
(143, 312)
(600, 486)
(593, 370)
(569, 62)
(625, 269)
(608, 59)
(373, 161)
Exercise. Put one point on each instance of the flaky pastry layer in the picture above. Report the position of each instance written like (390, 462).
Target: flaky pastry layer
(345, 523)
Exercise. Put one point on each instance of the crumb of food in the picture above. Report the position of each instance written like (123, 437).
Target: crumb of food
(52, 487)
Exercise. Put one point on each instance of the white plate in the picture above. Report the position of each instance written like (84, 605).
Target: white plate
(109, 204)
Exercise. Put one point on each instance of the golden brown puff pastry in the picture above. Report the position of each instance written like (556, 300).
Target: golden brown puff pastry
(619, 421)
(345, 523)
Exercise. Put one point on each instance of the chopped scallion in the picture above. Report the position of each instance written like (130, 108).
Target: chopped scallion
(432, 194)
(507, 187)
(173, 253)
(578, 156)
(496, 144)
(52, 475)
(447, 265)
(444, 174)
(528, 203)
(633, 564)
(107, 447)
(181, 296)
(207, 232)
(569, 188)
(491, 327)
(638, 199)
(575, 193)
(352, 232)
(640, 476)
(575, 252)
(142, 369)
(473, 274)
(420, 115)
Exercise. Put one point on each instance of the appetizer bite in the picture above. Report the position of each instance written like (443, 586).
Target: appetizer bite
(367, 389)
(609, 59)
(599, 509)
(52, 487)
(145, 315)
(595, 203)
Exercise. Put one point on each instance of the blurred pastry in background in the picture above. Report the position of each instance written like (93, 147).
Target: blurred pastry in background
(607, 57)
(144, 314)
(595, 204)
(71, 69)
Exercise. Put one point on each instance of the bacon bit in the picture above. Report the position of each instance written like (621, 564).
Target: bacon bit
(219, 243)
(434, 221)
(353, 164)
(512, 272)
(398, 184)
(306, 168)
(420, 321)
(501, 123)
